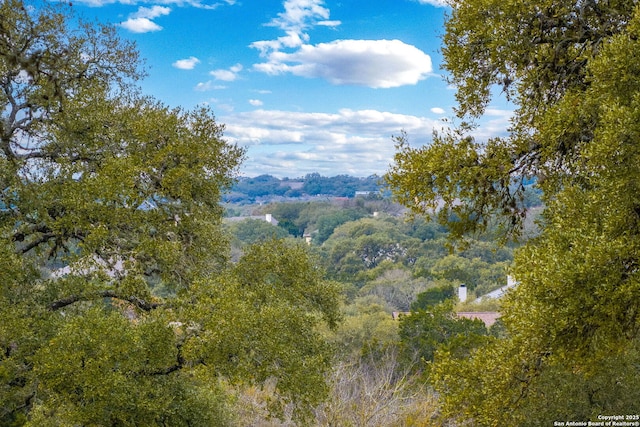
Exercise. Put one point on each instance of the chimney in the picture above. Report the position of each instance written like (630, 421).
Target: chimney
(462, 293)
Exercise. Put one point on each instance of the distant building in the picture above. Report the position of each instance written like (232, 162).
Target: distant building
(499, 293)
(270, 219)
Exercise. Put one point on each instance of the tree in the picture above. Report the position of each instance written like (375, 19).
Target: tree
(123, 193)
(432, 296)
(423, 332)
(368, 384)
(260, 324)
(328, 223)
(395, 286)
(376, 390)
(537, 54)
(570, 350)
(249, 231)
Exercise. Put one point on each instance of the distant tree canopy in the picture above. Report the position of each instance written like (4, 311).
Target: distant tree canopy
(259, 186)
(571, 68)
(250, 189)
(124, 193)
(340, 185)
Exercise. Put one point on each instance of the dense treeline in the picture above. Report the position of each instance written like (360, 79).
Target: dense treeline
(267, 187)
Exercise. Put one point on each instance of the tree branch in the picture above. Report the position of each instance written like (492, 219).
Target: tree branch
(43, 238)
(72, 299)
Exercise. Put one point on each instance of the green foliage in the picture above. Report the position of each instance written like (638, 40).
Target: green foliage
(341, 185)
(367, 326)
(432, 296)
(536, 53)
(328, 223)
(259, 186)
(570, 347)
(482, 304)
(100, 369)
(361, 245)
(474, 273)
(424, 332)
(317, 219)
(396, 287)
(148, 318)
(250, 231)
(267, 187)
(262, 323)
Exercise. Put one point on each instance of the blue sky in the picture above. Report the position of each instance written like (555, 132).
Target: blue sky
(305, 85)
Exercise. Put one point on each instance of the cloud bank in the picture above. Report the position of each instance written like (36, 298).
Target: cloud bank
(356, 142)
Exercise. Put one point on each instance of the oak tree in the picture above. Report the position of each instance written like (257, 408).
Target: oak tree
(571, 350)
(117, 301)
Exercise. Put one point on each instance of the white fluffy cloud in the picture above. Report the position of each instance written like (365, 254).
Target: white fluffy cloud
(299, 14)
(141, 21)
(373, 63)
(227, 75)
(437, 110)
(140, 25)
(256, 102)
(186, 64)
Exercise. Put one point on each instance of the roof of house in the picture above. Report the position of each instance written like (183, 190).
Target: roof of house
(488, 317)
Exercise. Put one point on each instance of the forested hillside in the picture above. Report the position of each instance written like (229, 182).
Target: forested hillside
(268, 188)
(386, 263)
(373, 245)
